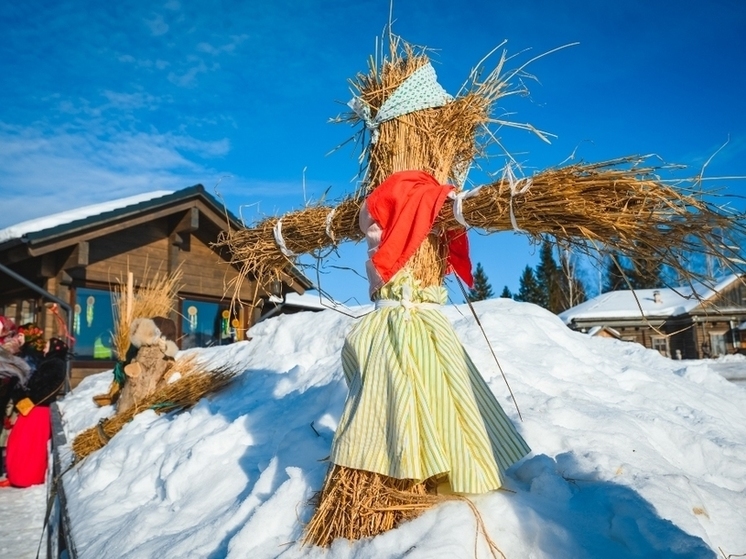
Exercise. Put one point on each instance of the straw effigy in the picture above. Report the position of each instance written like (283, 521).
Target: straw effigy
(620, 205)
(194, 383)
(154, 296)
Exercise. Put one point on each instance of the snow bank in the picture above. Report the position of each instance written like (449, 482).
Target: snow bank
(634, 455)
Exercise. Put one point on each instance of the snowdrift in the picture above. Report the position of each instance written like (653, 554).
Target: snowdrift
(634, 455)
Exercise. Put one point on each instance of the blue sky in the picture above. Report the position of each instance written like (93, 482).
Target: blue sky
(103, 100)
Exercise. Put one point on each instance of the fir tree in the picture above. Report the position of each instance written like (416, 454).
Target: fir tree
(482, 289)
(614, 278)
(640, 274)
(528, 289)
(506, 294)
(548, 278)
(645, 274)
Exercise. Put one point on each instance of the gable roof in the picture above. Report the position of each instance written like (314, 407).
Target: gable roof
(38, 235)
(67, 222)
(67, 217)
(623, 304)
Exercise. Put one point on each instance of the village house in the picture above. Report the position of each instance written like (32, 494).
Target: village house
(681, 323)
(72, 260)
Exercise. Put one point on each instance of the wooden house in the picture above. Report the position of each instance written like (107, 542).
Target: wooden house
(680, 323)
(74, 258)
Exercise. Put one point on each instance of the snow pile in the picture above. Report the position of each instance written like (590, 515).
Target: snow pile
(634, 455)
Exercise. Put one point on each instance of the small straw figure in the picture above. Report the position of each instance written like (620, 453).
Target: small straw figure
(419, 421)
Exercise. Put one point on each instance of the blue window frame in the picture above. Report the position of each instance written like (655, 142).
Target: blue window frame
(93, 324)
(205, 324)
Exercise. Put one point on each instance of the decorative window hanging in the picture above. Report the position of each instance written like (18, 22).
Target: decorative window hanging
(76, 319)
(225, 327)
(89, 310)
(192, 312)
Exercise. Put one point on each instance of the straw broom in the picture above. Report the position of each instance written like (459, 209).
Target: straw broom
(195, 382)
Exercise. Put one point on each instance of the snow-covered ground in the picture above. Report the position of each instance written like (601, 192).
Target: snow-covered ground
(21, 521)
(634, 455)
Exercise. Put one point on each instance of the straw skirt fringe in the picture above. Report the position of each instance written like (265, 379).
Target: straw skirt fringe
(417, 405)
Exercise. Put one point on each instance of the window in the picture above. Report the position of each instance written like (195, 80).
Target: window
(717, 343)
(20, 311)
(93, 324)
(206, 324)
(661, 345)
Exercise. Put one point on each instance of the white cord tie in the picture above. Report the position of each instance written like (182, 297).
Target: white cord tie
(329, 232)
(279, 241)
(458, 203)
(405, 302)
(517, 187)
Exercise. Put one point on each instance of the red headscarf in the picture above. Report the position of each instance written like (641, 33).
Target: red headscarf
(405, 206)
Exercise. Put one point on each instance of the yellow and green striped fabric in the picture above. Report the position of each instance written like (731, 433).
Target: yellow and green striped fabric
(417, 405)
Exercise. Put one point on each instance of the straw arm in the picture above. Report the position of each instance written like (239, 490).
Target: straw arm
(258, 251)
(625, 208)
(616, 205)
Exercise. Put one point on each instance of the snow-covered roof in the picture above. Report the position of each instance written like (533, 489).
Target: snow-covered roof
(644, 302)
(64, 218)
(599, 330)
(310, 300)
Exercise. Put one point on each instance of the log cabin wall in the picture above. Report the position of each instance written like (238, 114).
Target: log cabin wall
(97, 253)
(712, 327)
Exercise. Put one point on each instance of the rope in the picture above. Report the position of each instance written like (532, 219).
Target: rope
(279, 241)
(514, 183)
(458, 203)
(329, 232)
(103, 437)
(492, 351)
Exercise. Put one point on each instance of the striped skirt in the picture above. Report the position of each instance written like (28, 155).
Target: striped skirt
(417, 406)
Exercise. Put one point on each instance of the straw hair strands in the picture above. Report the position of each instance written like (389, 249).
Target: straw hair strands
(195, 382)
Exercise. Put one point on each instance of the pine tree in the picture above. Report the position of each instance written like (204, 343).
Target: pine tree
(614, 278)
(548, 278)
(645, 274)
(529, 290)
(640, 274)
(506, 294)
(482, 289)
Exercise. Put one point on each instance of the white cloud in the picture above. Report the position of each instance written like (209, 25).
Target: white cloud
(188, 78)
(229, 47)
(130, 100)
(157, 26)
(59, 170)
(144, 62)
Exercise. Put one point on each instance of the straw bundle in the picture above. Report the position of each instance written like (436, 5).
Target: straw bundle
(357, 504)
(195, 382)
